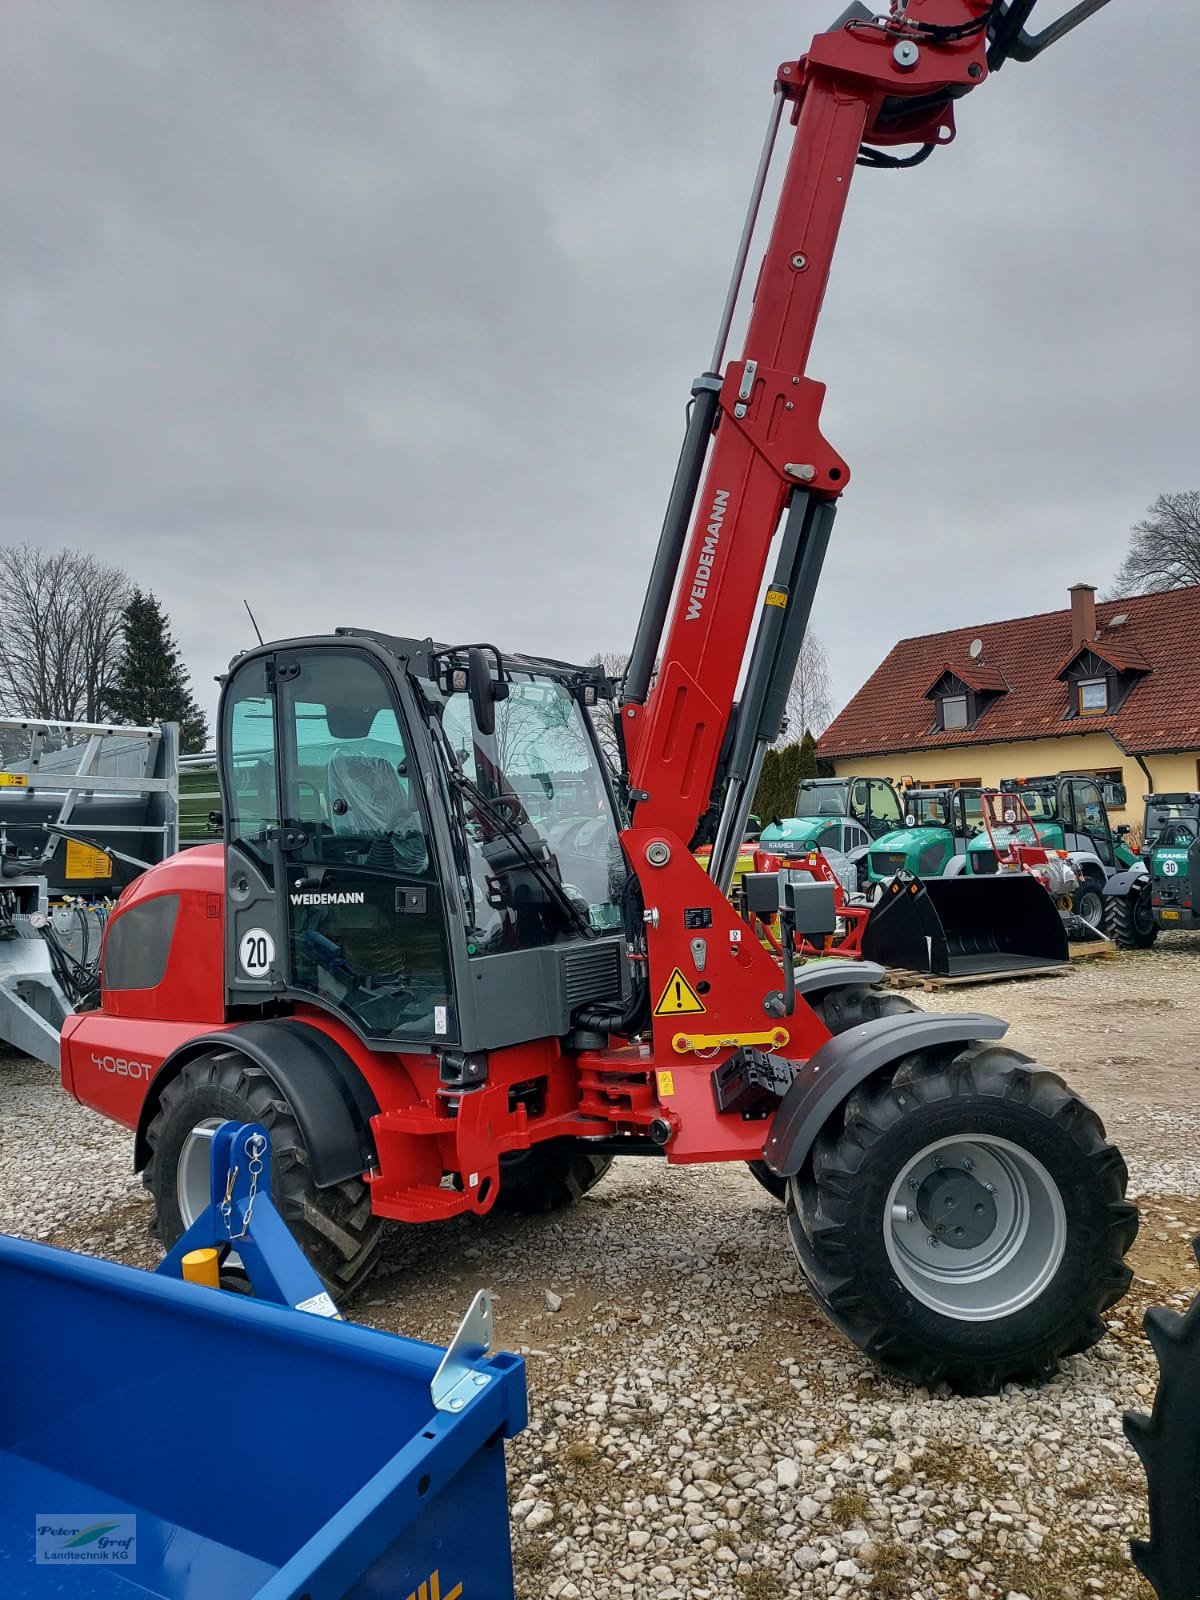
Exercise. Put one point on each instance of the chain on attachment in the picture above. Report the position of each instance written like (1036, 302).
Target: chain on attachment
(255, 1148)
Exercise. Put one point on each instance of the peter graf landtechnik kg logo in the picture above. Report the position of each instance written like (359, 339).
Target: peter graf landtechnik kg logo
(59, 1538)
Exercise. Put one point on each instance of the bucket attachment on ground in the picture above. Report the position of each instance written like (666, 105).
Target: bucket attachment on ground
(966, 926)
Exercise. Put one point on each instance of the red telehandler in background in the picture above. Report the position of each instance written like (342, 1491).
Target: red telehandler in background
(452, 969)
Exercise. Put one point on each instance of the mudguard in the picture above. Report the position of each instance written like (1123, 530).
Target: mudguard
(817, 976)
(1128, 881)
(332, 1101)
(847, 1060)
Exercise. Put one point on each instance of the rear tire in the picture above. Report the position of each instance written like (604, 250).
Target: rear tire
(1052, 1231)
(334, 1227)
(838, 1009)
(1129, 919)
(548, 1176)
(1168, 1445)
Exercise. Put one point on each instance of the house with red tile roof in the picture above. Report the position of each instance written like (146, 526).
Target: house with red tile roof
(1110, 689)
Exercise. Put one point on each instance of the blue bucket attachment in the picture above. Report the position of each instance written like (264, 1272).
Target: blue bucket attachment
(260, 1452)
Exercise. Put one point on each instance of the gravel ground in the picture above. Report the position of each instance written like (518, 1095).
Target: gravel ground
(697, 1428)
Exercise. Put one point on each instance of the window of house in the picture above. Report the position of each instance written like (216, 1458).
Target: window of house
(954, 711)
(1112, 786)
(1093, 697)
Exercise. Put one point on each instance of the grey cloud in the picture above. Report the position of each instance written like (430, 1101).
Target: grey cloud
(387, 313)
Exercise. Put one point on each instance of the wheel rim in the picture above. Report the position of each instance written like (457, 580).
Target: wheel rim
(1091, 906)
(193, 1182)
(996, 1217)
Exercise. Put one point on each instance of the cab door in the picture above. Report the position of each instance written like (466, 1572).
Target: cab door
(365, 918)
(885, 813)
(1090, 819)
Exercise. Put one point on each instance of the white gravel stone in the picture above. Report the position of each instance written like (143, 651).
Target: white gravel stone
(698, 1431)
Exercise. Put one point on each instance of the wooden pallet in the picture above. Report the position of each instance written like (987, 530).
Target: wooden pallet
(932, 982)
(1093, 950)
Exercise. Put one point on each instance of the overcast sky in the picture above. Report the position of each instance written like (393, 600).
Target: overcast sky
(385, 314)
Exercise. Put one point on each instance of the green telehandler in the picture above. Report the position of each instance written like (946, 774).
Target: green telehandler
(1171, 854)
(1069, 813)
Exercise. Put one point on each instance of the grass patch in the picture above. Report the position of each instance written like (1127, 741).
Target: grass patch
(581, 1454)
(758, 1585)
(755, 1524)
(1029, 1575)
(848, 1506)
(891, 1573)
(947, 1464)
(531, 1566)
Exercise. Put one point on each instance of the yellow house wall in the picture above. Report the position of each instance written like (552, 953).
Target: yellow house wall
(1092, 752)
(1175, 773)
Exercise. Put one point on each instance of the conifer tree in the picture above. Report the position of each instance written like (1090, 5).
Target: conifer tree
(151, 682)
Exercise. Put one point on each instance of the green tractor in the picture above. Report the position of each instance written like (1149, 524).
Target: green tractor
(1068, 813)
(938, 825)
(1171, 853)
(840, 817)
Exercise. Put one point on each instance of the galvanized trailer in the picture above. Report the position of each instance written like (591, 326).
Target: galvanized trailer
(84, 809)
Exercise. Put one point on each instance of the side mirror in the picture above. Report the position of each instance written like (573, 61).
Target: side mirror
(479, 688)
(1122, 829)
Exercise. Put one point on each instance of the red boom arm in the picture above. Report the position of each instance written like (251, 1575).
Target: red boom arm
(874, 82)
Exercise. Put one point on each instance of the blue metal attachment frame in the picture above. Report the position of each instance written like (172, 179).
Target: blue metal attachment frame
(241, 1220)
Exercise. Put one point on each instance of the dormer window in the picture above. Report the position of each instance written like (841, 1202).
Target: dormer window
(1093, 697)
(1099, 677)
(954, 711)
(961, 696)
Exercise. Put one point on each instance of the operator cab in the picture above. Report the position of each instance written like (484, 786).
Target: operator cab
(1172, 822)
(958, 808)
(420, 839)
(1068, 811)
(869, 801)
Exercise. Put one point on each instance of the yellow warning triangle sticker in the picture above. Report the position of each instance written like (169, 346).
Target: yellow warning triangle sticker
(678, 999)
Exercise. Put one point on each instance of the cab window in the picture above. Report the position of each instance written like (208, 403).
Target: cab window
(365, 911)
(251, 777)
(885, 808)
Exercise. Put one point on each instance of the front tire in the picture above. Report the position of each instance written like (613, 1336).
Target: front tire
(334, 1226)
(1129, 919)
(989, 1143)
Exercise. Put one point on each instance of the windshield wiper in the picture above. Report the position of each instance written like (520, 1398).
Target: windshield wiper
(495, 815)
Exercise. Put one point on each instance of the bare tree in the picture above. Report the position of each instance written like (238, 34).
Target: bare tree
(60, 632)
(604, 712)
(1164, 548)
(810, 699)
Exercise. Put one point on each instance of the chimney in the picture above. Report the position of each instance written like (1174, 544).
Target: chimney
(1083, 613)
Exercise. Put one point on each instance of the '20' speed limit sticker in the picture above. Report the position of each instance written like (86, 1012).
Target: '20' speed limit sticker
(256, 952)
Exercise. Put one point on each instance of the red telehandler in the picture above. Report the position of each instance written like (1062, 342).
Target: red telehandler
(453, 968)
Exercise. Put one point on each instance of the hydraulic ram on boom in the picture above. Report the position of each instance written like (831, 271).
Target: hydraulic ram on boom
(434, 958)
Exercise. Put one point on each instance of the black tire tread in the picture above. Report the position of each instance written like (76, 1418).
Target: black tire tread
(549, 1176)
(1120, 922)
(335, 1226)
(1168, 1445)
